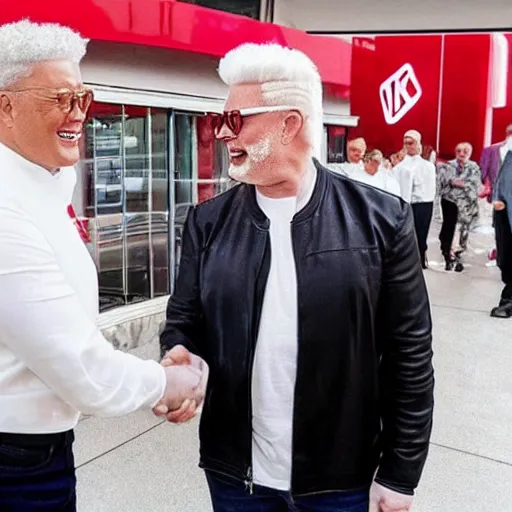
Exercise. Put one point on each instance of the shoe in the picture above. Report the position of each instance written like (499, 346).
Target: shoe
(504, 310)
(448, 261)
(459, 267)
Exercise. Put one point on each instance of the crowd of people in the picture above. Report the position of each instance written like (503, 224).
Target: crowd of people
(420, 178)
(411, 173)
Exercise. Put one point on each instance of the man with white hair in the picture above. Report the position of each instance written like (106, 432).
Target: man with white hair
(356, 149)
(303, 291)
(417, 179)
(54, 362)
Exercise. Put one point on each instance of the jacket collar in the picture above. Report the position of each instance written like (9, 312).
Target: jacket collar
(261, 219)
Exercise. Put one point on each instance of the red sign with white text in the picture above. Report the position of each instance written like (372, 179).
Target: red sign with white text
(438, 85)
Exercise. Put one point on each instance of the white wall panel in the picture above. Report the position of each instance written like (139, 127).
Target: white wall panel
(370, 16)
(168, 79)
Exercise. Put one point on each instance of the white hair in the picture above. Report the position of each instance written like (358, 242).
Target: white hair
(287, 77)
(24, 43)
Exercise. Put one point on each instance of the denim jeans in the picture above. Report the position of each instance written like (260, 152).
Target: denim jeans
(229, 495)
(37, 473)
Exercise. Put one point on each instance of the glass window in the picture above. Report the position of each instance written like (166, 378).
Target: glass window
(201, 169)
(102, 170)
(336, 144)
(160, 200)
(250, 8)
(129, 181)
(136, 187)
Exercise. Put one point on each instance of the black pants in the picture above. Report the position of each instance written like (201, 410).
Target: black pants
(422, 217)
(37, 473)
(450, 214)
(504, 251)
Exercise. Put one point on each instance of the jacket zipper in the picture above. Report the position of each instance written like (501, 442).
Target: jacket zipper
(298, 348)
(249, 482)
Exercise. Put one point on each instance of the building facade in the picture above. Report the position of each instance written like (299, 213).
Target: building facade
(450, 87)
(149, 152)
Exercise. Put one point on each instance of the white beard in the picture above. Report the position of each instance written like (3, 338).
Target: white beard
(256, 153)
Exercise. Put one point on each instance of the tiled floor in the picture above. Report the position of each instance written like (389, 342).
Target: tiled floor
(139, 464)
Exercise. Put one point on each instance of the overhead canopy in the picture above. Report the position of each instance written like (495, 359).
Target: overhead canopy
(377, 16)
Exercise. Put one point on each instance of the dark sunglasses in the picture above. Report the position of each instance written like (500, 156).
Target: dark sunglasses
(234, 119)
(65, 99)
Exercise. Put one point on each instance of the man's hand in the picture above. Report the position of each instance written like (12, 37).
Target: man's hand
(383, 499)
(458, 183)
(485, 193)
(183, 385)
(498, 205)
(179, 356)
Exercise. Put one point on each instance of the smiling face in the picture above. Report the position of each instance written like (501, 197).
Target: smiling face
(261, 151)
(34, 124)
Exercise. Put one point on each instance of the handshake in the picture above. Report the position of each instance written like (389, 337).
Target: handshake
(187, 377)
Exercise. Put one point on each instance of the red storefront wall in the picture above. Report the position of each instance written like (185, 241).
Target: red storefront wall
(454, 73)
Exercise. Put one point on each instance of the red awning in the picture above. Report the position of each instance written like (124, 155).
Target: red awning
(181, 26)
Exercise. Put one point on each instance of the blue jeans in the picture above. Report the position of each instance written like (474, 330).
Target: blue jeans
(37, 473)
(229, 495)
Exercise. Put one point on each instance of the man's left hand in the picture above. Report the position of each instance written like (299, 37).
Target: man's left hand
(180, 355)
(383, 499)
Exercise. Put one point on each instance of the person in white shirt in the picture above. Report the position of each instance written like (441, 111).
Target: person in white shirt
(356, 149)
(374, 173)
(54, 361)
(417, 179)
(303, 291)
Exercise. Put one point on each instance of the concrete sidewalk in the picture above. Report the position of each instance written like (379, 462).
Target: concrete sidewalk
(138, 463)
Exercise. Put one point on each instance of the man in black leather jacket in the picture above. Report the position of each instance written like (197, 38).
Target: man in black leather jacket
(303, 292)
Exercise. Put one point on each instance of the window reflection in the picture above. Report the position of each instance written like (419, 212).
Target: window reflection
(160, 201)
(336, 144)
(137, 214)
(103, 172)
(127, 181)
(201, 165)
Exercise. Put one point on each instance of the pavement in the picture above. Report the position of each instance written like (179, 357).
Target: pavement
(139, 463)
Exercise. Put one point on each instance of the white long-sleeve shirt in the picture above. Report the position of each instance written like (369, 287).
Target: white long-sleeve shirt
(417, 179)
(54, 361)
(382, 179)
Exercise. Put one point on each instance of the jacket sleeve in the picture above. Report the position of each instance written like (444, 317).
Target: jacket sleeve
(475, 178)
(484, 164)
(406, 372)
(184, 319)
(45, 325)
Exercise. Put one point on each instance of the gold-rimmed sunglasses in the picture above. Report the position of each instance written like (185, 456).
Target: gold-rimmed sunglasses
(65, 99)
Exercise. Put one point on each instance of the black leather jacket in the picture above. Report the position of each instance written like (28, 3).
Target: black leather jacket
(364, 386)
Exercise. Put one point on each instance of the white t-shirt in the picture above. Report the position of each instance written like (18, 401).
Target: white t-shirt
(417, 179)
(347, 168)
(382, 180)
(275, 360)
(54, 361)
